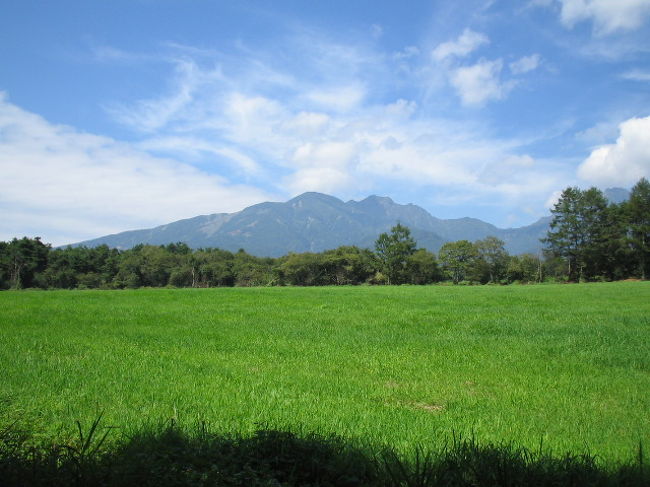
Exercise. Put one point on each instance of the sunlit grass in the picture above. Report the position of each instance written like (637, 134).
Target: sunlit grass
(565, 365)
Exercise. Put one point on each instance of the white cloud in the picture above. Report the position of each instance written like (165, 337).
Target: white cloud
(599, 133)
(330, 153)
(66, 185)
(406, 53)
(525, 64)
(499, 171)
(111, 54)
(553, 199)
(322, 127)
(195, 147)
(466, 43)
(307, 124)
(608, 16)
(624, 162)
(323, 179)
(324, 134)
(636, 75)
(154, 114)
(480, 82)
(338, 98)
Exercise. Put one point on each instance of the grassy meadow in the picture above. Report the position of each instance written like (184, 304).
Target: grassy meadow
(567, 366)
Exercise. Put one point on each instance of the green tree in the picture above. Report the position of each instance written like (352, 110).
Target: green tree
(596, 222)
(578, 231)
(525, 268)
(21, 260)
(393, 250)
(305, 269)
(457, 258)
(249, 270)
(565, 237)
(639, 220)
(347, 265)
(422, 267)
(492, 252)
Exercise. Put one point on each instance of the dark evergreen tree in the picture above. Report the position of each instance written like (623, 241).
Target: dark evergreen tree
(639, 222)
(579, 232)
(594, 219)
(21, 260)
(566, 235)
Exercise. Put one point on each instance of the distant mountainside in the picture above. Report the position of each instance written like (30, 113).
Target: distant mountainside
(617, 195)
(313, 222)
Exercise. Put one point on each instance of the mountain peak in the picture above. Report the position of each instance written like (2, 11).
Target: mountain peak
(314, 196)
(382, 200)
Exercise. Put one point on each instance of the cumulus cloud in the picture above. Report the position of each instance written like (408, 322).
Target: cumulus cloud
(624, 162)
(608, 16)
(525, 64)
(67, 185)
(480, 82)
(466, 43)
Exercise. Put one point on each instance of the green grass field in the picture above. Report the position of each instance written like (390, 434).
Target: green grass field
(568, 365)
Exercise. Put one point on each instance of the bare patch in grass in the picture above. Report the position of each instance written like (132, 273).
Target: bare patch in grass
(391, 384)
(430, 407)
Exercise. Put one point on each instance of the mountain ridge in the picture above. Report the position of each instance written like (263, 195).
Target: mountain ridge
(314, 222)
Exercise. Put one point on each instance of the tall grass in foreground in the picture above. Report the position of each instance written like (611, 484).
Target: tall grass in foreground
(171, 456)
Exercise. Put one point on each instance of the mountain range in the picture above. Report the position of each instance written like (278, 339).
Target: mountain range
(313, 222)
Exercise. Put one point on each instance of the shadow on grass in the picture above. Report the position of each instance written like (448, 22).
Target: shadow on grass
(171, 456)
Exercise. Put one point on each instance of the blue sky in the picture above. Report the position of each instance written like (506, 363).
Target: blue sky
(133, 113)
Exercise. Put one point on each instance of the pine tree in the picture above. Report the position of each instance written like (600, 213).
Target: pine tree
(639, 219)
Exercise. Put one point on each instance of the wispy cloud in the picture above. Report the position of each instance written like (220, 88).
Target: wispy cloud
(72, 185)
(475, 105)
(308, 113)
(466, 43)
(607, 16)
(336, 133)
(636, 75)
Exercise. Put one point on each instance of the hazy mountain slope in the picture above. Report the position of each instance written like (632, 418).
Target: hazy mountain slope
(617, 195)
(315, 222)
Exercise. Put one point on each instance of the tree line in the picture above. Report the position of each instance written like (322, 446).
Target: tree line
(588, 239)
(29, 263)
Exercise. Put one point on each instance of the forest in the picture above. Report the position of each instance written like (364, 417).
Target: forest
(589, 239)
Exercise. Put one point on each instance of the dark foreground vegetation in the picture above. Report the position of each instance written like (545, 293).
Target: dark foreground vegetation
(589, 240)
(171, 456)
